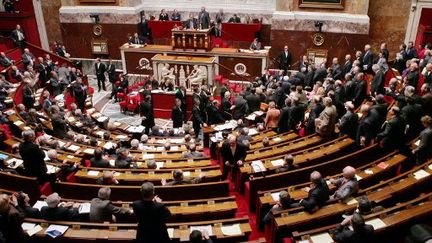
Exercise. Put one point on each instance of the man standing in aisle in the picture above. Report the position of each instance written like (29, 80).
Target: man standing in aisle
(100, 69)
(203, 19)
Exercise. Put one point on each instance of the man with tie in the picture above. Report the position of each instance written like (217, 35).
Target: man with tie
(100, 74)
(181, 95)
(285, 59)
(367, 59)
(135, 39)
(347, 66)
(43, 72)
(177, 114)
(79, 93)
(5, 61)
(112, 77)
(203, 19)
(18, 36)
(197, 118)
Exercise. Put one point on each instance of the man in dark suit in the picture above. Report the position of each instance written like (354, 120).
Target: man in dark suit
(5, 61)
(411, 52)
(146, 112)
(135, 39)
(180, 180)
(213, 114)
(288, 164)
(28, 58)
(56, 211)
(181, 95)
(177, 114)
(360, 90)
(234, 19)
(59, 124)
(18, 36)
(318, 193)
(152, 215)
(203, 19)
(360, 232)
(347, 65)
(100, 69)
(144, 28)
(368, 126)
(233, 154)
(377, 84)
(43, 72)
(285, 59)
(285, 117)
(240, 107)
(80, 93)
(198, 120)
(112, 78)
(33, 157)
(348, 122)
(392, 137)
(367, 59)
(423, 152)
(336, 69)
(102, 209)
(384, 50)
(413, 76)
(191, 23)
(28, 95)
(253, 101)
(428, 75)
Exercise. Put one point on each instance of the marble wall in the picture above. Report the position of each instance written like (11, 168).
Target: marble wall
(125, 3)
(50, 11)
(388, 23)
(350, 6)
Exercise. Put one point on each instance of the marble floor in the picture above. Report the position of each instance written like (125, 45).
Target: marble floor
(101, 101)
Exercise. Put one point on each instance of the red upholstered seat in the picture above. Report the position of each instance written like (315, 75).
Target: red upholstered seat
(90, 90)
(46, 189)
(132, 105)
(123, 105)
(117, 83)
(121, 96)
(288, 240)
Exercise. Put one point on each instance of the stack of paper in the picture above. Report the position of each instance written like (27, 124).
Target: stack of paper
(252, 132)
(121, 137)
(56, 230)
(277, 139)
(102, 119)
(369, 171)
(186, 174)
(258, 166)
(18, 123)
(231, 230)
(30, 228)
(278, 162)
(108, 145)
(84, 208)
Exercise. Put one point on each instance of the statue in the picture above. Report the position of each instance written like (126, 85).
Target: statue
(196, 76)
(182, 77)
(167, 73)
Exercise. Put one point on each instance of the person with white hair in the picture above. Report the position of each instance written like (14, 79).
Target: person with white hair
(33, 157)
(347, 185)
(57, 211)
(393, 135)
(377, 84)
(412, 78)
(102, 209)
(347, 65)
(367, 59)
(326, 122)
(134, 144)
(367, 126)
(348, 123)
(318, 193)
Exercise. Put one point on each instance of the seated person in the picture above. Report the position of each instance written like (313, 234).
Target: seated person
(234, 19)
(360, 232)
(318, 193)
(157, 131)
(285, 202)
(151, 164)
(266, 142)
(346, 186)
(197, 236)
(179, 179)
(167, 146)
(134, 144)
(99, 159)
(288, 164)
(23, 205)
(107, 179)
(255, 45)
(123, 159)
(244, 135)
(56, 211)
(101, 208)
(135, 39)
(192, 153)
(66, 167)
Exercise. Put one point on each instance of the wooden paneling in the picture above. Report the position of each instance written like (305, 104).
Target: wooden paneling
(253, 67)
(77, 38)
(337, 45)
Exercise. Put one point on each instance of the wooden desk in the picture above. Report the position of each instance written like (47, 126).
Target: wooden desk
(191, 39)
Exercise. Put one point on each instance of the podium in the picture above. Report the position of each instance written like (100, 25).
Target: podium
(191, 39)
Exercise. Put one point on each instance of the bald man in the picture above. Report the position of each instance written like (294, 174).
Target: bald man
(233, 154)
(318, 193)
(347, 185)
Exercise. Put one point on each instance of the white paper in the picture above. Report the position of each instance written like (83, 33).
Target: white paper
(61, 143)
(278, 162)
(275, 196)
(369, 172)
(159, 165)
(176, 140)
(259, 113)
(430, 167)
(102, 119)
(84, 208)
(258, 166)
(120, 137)
(231, 229)
(174, 148)
(18, 123)
(88, 151)
(30, 228)
(148, 156)
(93, 173)
(252, 132)
(186, 173)
(112, 162)
(73, 148)
(117, 124)
(251, 117)
(417, 143)
(420, 174)
(352, 201)
(322, 238)
(27, 226)
(377, 223)
(18, 162)
(159, 148)
(52, 169)
(60, 228)
(40, 204)
(358, 177)
(201, 228)
(108, 145)
(170, 232)
(277, 139)
(90, 111)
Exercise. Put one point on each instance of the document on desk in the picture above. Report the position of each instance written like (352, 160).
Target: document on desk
(258, 166)
(170, 232)
(84, 208)
(40, 204)
(89, 151)
(231, 229)
(148, 156)
(252, 132)
(275, 196)
(52, 169)
(278, 162)
(30, 228)
(73, 148)
(322, 238)
(420, 174)
(376, 223)
(202, 228)
(56, 230)
(93, 173)
(159, 165)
